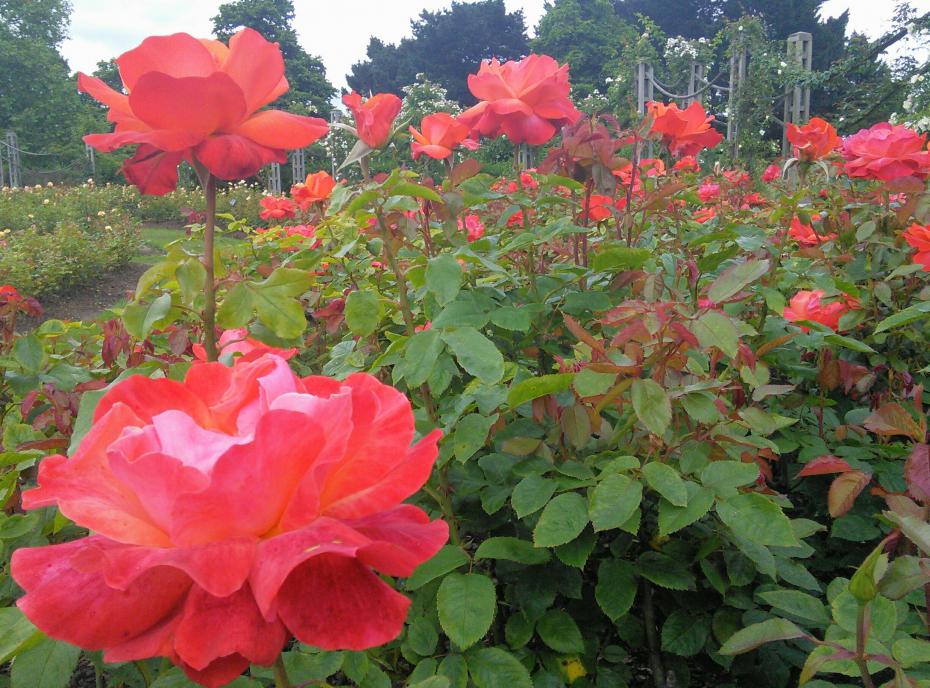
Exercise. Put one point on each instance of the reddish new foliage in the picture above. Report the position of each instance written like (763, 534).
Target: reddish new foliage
(373, 117)
(807, 305)
(805, 234)
(231, 511)
(526, 100)
(814, 140)
(439, 135)
(199, 100)
(316, 188)
(274, 208)
(685, 132)
(886, 152)
(918, 237)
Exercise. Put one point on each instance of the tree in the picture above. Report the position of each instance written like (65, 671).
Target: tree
(45, 21)
(587, 34)
(310, 90)
(446, 46)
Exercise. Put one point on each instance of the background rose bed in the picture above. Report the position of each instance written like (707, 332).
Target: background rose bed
(681, 407)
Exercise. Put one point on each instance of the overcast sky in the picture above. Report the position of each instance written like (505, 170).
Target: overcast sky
(336, 31)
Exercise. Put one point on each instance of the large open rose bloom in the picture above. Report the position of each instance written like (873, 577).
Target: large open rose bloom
(199, 100)
(685, 132)
(814, 140)
(231, 511)
(886, 152)
(438, 136)
(526, 100)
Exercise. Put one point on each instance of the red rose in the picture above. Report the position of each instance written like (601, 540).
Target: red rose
(805, 234)
(685, 132)
(274, 208)
(807, 305)
(814, 140)
(441, 133)
(373, 117)
(316, 188)
(918, 238)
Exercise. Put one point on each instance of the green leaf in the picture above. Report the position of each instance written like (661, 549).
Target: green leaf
(276, 301)
(758, 519)
(723, 477)
(536, 387)
(443, 278)
(560, 632)
(476, 354)
(616, 257)
(714, 328)
(471, 432)
(652, 405)
(363, 312)
(561, 521)
(511, 318)
(531, 494)
(492, 667)
(864, 583)
(191, 276)
(684, 634)
(589, 383)
(512, 549)
(849, 343)
(916, 531)
(16, 633)
(420, 355)
(414, 191)
(912, 652)
(445, 560)
(235, 310)
(28, 351)
(140, 319)
(797, 603)
(908, 315)
(734, 279)
(466, 604)
(753, 636)
(665, 571)
(422, 636)
(665, 480)
(616, 587)
(614, 500)
(673, 518)
(49, 664)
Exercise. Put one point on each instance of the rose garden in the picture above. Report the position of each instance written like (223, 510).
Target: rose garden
(611, 411)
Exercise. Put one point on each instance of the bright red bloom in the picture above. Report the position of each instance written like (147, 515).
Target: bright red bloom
(231, 511)
(316, 188)
(373, 117)
(687, 164)
(528, 181)
(526, 100)
(473, 227)
(814, 140)
(11, 301)
(805, 234)
(685, 132)
(276, 208)
(599, 208)
(886, 152)
(237, 343)
(806, 305)
(703, 215)
(708, 192)
(772, 172)
(918, 237)
(198, 100)
(441, 134)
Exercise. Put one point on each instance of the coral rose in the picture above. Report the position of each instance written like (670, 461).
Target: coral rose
(685, 132)
(708, 191)
(231, 511)
(441, 133)
(274, 208)
(807, 305)
(886, 152)
(814, 140)
(771, 173)
(373, 117)
(473, 226)
(526, 100)
(599, 208)
(316, 188)
(805, 234)
(199, 100)
(687, 164)
(918, 237)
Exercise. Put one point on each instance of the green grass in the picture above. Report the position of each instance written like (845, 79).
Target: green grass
(156, 240)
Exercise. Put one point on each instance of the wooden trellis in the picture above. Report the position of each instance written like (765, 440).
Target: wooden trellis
(798, 96)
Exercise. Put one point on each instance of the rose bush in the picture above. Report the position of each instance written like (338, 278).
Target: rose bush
(684, 434)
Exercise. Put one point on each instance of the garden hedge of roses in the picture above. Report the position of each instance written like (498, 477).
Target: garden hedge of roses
(680, 417)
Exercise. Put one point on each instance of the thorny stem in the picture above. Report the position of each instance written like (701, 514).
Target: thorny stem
(628, 215)
(208, 181)
(861, 632)
(281, 679)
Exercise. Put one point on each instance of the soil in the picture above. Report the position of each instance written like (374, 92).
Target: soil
(86, 302)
